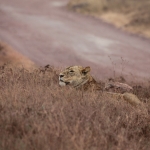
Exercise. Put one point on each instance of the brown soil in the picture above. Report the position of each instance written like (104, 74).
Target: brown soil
(133, 16)
(58, 37)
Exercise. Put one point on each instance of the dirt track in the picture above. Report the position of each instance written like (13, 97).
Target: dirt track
(47, 33)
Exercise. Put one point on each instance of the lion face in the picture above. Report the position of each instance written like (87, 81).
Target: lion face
(74, 76)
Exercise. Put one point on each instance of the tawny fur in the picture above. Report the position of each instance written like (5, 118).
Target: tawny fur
(117, 87)
(80, 78)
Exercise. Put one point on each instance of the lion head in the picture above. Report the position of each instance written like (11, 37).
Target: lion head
(75, 76)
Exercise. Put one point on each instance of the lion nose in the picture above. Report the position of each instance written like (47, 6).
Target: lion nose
(61, 76)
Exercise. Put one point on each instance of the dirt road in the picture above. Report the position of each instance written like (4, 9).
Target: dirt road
(47, 33)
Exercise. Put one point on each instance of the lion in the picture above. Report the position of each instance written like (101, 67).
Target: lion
(117, 87)
(79, 77)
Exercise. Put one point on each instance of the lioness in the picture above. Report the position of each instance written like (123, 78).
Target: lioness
(79, 77)
(117, 87)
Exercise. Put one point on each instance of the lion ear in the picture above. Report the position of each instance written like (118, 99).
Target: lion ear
(86, 70)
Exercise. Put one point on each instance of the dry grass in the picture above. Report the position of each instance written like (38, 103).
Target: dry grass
(131, 15)
(9, 56)
(37, 114)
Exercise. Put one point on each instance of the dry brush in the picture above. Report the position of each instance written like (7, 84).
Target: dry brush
(35, 114)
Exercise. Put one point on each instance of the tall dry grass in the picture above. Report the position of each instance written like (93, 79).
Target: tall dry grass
(37, 114)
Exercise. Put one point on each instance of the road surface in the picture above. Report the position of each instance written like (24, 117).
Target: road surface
(47, 33)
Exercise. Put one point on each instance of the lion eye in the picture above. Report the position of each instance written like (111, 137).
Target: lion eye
(71, 71)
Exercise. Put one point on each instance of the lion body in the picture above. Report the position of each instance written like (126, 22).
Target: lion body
(80, 78)
(117, 87)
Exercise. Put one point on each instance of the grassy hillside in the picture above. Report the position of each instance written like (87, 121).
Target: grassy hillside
(10, 56)
(131, 15)
(37, 114)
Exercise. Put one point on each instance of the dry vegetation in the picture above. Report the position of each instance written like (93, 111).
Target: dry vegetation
(9, 56)
(133, 15)
(37, 114)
